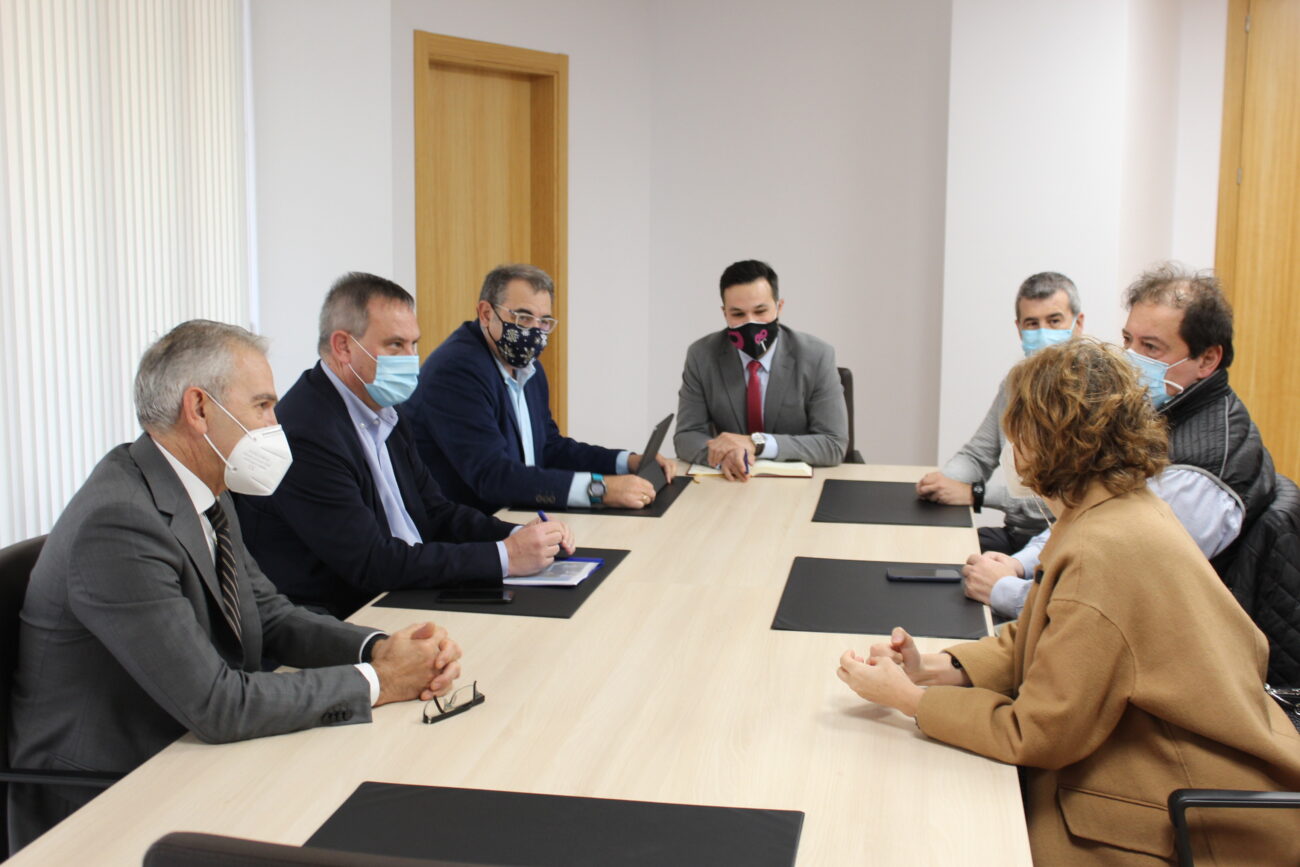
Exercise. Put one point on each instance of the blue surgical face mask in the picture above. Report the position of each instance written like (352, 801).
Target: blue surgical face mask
(1034, 339)
(1152, 374)
(395, 377)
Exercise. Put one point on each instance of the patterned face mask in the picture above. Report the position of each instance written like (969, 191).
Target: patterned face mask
(753, 338)
(519, 346)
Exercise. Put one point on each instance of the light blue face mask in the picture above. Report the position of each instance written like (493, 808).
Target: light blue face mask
(1152, 374)
(395, 377)
(1034, 339)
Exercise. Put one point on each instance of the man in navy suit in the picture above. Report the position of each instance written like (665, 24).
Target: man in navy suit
(482, 417)
(358, 513)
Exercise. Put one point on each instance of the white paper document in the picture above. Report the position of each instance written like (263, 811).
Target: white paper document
(788, 469)
(561, 573)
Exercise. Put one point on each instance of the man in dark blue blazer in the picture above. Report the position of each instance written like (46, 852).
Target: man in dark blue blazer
(482, 416)
(358, 513)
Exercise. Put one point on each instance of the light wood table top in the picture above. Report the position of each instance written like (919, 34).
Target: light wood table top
(667, 685)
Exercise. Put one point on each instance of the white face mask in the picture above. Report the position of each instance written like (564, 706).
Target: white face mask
(258, 461)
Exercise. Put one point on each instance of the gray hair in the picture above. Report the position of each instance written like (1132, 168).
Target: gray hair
(196, 353)
(346, 305)
(1046, 284)
(495, 283)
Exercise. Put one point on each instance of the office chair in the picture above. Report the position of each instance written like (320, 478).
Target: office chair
(1181, 800)
(16, 564)
(189, 849)
(851, 455)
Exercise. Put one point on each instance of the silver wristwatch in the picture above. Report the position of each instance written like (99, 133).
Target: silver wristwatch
(760, 441)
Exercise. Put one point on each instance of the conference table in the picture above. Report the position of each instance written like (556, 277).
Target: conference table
(668, 685)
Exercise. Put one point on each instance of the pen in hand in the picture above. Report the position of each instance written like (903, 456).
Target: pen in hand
(560, 554)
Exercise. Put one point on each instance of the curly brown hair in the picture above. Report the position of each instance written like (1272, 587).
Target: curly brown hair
(1078, 413)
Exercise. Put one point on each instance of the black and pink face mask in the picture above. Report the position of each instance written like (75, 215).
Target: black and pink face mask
(753, 338)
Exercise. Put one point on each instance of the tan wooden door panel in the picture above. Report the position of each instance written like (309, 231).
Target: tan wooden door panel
(1259, 231)
(490, 154)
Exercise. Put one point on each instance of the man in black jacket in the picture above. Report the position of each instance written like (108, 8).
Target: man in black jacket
(358, 513)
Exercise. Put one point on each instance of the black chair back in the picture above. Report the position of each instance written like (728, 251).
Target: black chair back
(16, 564)
(851, 455)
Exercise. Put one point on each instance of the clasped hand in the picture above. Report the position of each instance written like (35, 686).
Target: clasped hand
(894, 673)
(734, 454)
(420, 661)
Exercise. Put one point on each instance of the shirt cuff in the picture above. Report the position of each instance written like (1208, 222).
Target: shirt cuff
(620, 463)
(1008, 595)
(368, 672)
(578, 489)
(770, 448)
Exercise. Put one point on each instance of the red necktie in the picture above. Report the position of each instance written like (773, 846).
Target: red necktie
(754, 400)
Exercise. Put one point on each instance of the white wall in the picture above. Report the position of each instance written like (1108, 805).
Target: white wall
(903, 166)
(812, 136)
(323, 146)
(1083, 138)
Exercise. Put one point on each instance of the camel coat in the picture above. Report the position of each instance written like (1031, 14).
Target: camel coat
(1131, 672)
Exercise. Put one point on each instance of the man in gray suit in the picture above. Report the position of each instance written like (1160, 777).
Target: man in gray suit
(758, 389)
(146, 617)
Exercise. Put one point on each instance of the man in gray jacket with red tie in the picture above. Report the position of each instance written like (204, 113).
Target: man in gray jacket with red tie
(759, 389)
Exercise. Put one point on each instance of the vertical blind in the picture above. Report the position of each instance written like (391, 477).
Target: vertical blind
(123, 211)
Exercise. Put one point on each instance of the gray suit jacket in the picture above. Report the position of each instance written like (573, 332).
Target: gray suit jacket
(804, 407)
(123, 648)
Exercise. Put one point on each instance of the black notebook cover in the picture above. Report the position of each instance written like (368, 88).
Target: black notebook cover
(528, 601)
(665, 498)
(853, 596)
(479, 826)
(849, 502)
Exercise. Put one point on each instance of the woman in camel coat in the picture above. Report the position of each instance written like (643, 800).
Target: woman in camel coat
(1131, 672)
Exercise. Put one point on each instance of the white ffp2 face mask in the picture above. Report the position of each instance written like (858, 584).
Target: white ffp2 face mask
(258, 461)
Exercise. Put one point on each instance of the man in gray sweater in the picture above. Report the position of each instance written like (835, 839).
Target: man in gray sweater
(1047, 312)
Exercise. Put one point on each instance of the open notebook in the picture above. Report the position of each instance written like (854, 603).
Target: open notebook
(785, 469)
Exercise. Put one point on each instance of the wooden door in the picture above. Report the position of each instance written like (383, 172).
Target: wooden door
(1258, 246)
(491, 181)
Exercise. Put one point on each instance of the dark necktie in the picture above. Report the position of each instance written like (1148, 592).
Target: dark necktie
(754, 400)
(225, 557)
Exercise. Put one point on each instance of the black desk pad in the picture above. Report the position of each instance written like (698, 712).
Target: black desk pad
(853, 596)
(848, 502)
(528, 602)
(665, 498)
(480, 826)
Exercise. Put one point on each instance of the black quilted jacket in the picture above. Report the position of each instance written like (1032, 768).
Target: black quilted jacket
(1265, 578)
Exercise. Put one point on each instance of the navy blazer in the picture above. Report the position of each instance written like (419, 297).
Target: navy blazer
(467, 434)
(323, 536)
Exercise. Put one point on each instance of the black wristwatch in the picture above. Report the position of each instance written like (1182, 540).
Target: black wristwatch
(596, 489)
(977, 492)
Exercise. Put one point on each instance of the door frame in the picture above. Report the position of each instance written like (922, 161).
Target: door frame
(549, 218)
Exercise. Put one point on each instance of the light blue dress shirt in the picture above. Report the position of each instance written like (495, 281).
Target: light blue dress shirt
(515, 382)
(1207, 509)
(373, 429)
(770, 448)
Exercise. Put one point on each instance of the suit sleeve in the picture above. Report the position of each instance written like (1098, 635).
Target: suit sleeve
(447, 519)
(123, 585)
(320, 499)
(692, 433)
(458, 415)
(1073, 694)
(827, 439)
(292, 634)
